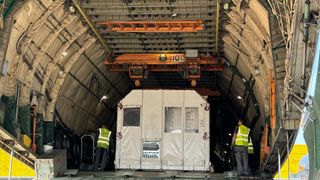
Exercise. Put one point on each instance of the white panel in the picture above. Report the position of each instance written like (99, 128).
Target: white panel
(195, 146)
(134, 98)
(172, 143)
(118, 140)
(129, 144)
(152, 114)
(193, 99)
(130, 150)
(173, 98)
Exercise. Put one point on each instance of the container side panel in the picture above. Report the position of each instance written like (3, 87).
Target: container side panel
(172, 155)
(130, 147)
(134, 98)
(152, 114)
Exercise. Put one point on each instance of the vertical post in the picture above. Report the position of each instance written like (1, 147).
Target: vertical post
(279, 165)
(16, 123)
(34, 145)
(93, 149)
(288, 154)
(11, 159)
(217, 25)
(34, 104)
(273, 114)
(306, 25)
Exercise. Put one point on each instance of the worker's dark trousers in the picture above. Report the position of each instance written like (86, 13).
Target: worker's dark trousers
(241, 153)
(105, 155)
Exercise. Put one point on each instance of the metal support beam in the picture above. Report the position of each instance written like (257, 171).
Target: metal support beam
(247, 96)
(104, 76)
(236, 63)
(98, 98)
(139, 64)
(163, 62)
(217, 25)
(96, 67)
(16, 121)
(92, 26)
(251, 93)
(154, 26)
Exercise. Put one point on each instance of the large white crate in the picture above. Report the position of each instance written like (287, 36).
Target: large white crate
(163, 129)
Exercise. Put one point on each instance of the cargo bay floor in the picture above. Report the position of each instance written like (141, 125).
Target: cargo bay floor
(129, 174)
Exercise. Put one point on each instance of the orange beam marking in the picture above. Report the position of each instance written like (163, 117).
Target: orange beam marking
(159, 29)
(155, 22)
(273, 115)
(154, 26)
(264, 149)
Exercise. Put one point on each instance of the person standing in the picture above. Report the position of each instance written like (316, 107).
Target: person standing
(251, 158)
(250, 146)
(240, 148)
(102, 152)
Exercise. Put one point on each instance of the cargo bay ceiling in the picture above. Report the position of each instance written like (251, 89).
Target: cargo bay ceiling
(57, 49)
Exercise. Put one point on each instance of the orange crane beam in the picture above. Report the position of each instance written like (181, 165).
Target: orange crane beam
(163, 62)
(154, 26)
(138, 65)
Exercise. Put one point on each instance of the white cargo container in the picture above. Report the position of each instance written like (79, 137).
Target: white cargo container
(163, 129)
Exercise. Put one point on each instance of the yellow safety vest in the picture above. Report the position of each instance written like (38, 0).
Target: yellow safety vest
(250, 146)
(242, 136)
(104, 137)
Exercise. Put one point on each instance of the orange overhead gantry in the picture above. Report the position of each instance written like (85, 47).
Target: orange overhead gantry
(154, 26)
(138, 65)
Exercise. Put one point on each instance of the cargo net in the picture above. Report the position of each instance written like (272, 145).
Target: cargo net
(284, 11)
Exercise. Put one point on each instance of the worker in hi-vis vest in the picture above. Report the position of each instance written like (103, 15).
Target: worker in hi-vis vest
(250, 146)
(252, 165)
(240, 148)
(102, 152)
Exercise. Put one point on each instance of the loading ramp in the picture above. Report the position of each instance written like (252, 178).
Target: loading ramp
(16, 159)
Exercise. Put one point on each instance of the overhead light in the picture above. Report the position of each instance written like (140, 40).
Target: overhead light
(229, 134)
(239, 97)
(226, 6)
(61, 73)
(64, 53)
(174, 14)
(227, 144)
(103, 97)
(72, 9)
(256, 70)
(225, 152)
